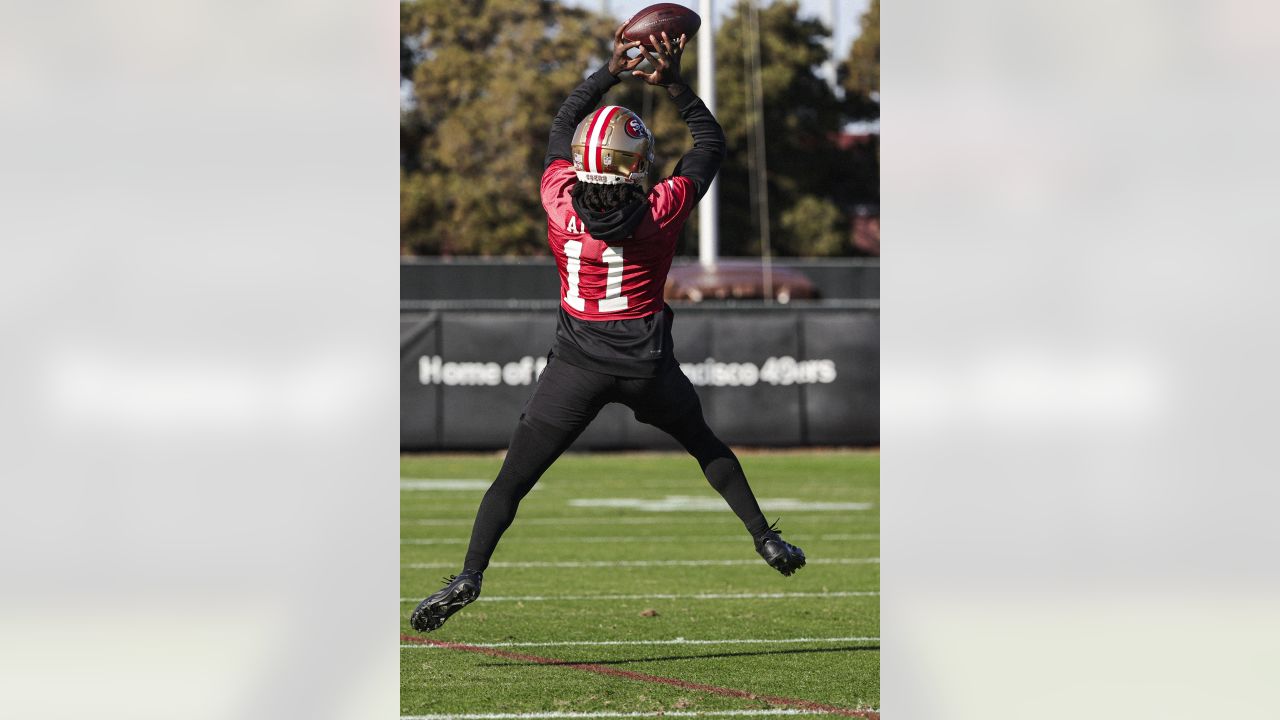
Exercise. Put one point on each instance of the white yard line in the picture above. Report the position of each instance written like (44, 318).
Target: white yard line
(569, 521)
(445, 484)
(674, 641)
(705, 503)
(656, 714)
(635, 563)
(662, 596)
(448, 484)
(598, 539)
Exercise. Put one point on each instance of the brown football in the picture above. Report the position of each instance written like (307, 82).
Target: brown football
(653, 20)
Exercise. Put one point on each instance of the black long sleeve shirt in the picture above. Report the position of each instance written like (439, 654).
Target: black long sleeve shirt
(700, 164)
(640, 347)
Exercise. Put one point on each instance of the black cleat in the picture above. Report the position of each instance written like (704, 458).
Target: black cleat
(459, 591)
(780, 554)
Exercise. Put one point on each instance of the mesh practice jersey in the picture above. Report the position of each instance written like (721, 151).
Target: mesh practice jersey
(622, 280)
(612, 318)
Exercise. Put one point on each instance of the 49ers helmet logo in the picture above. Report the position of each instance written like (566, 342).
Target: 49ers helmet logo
(635, 128)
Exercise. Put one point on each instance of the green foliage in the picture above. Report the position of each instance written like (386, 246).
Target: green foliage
(860, 72)
(488, 80)
(801, 118)
(818, 222)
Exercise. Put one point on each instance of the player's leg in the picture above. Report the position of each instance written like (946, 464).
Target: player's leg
(535, 445)
(564, 402)
(670, 403)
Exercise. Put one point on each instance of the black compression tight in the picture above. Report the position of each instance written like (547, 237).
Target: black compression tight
(535, 446)
(723, 471)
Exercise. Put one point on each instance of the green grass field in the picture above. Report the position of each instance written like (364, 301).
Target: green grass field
(588, 566)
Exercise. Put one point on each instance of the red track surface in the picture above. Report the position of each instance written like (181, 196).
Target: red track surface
(644, 677)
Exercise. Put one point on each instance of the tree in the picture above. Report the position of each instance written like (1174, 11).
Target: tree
(801, 118)
(860, 72)
(859, 76)
(486, 82)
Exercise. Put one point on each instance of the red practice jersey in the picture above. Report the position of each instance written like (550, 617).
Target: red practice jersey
(623, 280)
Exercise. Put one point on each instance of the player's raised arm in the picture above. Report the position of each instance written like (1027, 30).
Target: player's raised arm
(702, 162)
(586, 96)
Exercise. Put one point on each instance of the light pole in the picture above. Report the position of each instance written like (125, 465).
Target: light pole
(709, 212)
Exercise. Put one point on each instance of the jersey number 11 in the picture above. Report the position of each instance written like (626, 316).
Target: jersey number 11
(611, 258)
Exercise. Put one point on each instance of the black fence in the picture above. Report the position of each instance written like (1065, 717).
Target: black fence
(781, 375)
(473, 278)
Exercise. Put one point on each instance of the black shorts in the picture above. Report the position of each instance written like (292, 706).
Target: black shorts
(568, 397)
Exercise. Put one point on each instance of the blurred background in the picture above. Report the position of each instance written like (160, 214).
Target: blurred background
(790, 274)
(1079, 389)
(800, 113)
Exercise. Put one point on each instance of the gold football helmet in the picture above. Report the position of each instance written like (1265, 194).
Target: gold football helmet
(612, 145)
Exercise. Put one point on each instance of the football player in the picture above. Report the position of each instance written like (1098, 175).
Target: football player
(613, 243)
